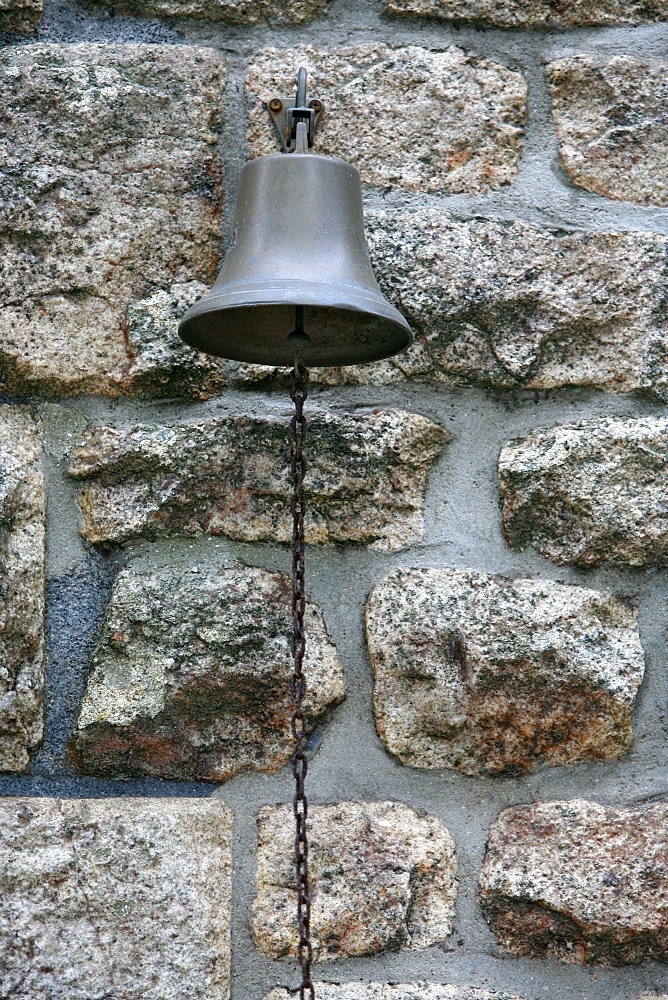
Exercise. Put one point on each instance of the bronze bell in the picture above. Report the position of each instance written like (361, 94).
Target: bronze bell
(297, 273)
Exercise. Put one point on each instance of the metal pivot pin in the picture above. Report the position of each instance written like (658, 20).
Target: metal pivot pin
(286, 114)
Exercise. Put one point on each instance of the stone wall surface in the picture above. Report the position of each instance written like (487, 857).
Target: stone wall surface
(366, 479)
(613, 137)
(466, 113)
(240, 12)
(191, 677)
(506, 305)
(588, 492)
(535, 13)
(22, 517)
(114, 898)
(486, 675)
(382, 878)
(111, 193)
(20, 15)
(410, 991)
(578, 880)
(486, 513)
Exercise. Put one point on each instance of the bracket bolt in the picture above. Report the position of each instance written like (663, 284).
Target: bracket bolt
(315, 105)
(275, 105)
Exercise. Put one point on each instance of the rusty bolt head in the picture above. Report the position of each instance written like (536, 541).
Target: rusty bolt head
(315, 105)
(275, 105)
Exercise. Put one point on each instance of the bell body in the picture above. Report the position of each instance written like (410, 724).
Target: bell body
(298, 240)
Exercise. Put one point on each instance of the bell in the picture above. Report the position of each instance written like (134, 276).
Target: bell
(297, 273)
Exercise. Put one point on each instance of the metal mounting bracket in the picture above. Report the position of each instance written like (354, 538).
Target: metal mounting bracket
(287, 112)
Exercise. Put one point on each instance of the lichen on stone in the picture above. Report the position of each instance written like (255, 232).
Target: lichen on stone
(240, 12)
(579, 881)
(20, 15)
(230, 476)
(161, 363)
(191, 676)
(111, 196)
(535, 13)
(22, 582)
(117, 897)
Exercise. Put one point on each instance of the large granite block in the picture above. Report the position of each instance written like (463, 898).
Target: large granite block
(125, 898)
(110, 196)
(22, 549)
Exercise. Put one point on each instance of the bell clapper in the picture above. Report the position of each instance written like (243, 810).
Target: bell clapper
(298, 338)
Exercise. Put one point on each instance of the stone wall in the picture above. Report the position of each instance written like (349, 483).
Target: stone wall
(488, 520)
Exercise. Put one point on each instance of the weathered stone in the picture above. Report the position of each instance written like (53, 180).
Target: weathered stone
(243, 12)
(465, 112)
(109, 207)
(587, 492)
(410, 991)
(114, 898)
(507, 305)
(225, 476)
(613, 136)
(485, 675)
(381, 877)
(22, 514)
(20, 15)
(535, 13)
(191, 677)
(161, 364)
(579, 881)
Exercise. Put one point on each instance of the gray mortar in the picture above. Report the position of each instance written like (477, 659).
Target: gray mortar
(462, 530)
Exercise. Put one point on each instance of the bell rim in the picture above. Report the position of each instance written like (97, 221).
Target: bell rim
(261, 295)
(212, 304)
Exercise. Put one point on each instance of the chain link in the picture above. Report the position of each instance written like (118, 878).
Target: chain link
(298, 394)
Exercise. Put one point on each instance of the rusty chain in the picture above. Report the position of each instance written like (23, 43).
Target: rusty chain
(298, 394)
